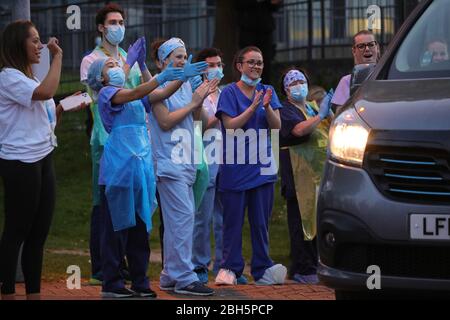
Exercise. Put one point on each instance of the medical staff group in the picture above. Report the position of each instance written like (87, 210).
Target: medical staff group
(135, 115)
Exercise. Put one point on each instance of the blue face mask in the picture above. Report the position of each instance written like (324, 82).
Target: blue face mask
(215, 73)
(250, 82)
(116, 77)
(115, 34)
(299, 92)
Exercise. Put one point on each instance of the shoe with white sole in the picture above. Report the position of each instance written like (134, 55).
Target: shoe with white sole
(226, 277)
(118, 294)
(273, 275)
(170, 287)
(196, 288)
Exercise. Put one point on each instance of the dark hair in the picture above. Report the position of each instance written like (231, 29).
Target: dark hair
(109, 8)
(284, 74)
(154, 46)
(202, 55)
(363, 32)
(13, 51)
(239, 57)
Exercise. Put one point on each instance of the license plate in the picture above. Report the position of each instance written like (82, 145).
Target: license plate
(430, 226)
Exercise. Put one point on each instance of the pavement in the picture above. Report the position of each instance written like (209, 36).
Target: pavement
(289, 291)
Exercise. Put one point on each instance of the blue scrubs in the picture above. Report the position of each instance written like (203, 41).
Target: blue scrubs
(175, 187)
(210, 210)
(126, 172)
(243, 186)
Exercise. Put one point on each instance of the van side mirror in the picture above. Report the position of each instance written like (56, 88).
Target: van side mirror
(360, 73)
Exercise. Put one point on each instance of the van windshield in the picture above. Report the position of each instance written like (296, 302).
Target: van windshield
(424, 52)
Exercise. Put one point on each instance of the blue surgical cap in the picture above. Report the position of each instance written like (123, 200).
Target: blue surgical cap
(292, 76)
(94, 78)
(167, 47)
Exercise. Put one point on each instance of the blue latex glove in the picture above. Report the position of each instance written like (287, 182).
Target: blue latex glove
(142, 55)
(193, 69)
(325, 106)
(133, 52)
(169, 74)
(195, 82)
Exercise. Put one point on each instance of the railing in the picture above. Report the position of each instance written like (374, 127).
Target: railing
(311, 30)
(306, 30)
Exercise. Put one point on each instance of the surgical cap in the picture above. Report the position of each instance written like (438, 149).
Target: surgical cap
(167, 47)
(292, 76)
(94, 78)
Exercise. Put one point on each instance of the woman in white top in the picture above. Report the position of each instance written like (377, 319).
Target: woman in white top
(28, 117)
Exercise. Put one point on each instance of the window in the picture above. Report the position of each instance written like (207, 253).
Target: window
(424, 52)
(338, 19)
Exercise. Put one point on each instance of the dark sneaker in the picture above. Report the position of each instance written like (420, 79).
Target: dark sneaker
(196, 289)
(118, 294)
(145, 293)
(202, 275)
(242, 280)
(168, 287)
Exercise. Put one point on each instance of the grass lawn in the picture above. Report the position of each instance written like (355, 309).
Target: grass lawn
(70, 227)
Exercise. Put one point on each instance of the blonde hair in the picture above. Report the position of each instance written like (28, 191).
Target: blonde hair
(316, 93)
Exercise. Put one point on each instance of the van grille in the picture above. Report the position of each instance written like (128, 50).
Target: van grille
(410, 174)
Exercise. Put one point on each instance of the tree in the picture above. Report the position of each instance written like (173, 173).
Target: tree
(226, 35)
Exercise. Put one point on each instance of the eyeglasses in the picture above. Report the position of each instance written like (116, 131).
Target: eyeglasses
(253, 63)
(362, 46)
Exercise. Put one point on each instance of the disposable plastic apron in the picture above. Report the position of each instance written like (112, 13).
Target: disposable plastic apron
(308, 160)
(99, 134)
(127, 163)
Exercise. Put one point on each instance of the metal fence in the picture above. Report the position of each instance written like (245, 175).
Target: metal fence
(305, 30)
(312, 30)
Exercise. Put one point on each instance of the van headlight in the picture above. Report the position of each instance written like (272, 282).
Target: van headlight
(348, 138)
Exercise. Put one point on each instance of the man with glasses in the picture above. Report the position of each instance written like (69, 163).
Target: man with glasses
(365, 50)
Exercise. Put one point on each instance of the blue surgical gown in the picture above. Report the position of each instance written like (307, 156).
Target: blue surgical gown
(126, 167)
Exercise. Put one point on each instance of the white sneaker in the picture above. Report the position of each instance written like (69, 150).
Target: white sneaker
(273, 275)
(226, 277)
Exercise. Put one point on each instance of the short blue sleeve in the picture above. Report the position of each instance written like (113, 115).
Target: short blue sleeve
(106, 108)
(147, 105)
(274, 102)
(290, 117)
(227, 103)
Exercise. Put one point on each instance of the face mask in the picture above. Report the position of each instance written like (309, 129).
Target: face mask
(215, 73)
(299, 92)
(115, 34)
(116, 77)
(250, 82)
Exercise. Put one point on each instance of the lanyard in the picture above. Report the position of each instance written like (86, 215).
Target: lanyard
(109, 54)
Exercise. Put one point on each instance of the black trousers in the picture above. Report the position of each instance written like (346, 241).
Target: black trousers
(29, 204)
(303, 253)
